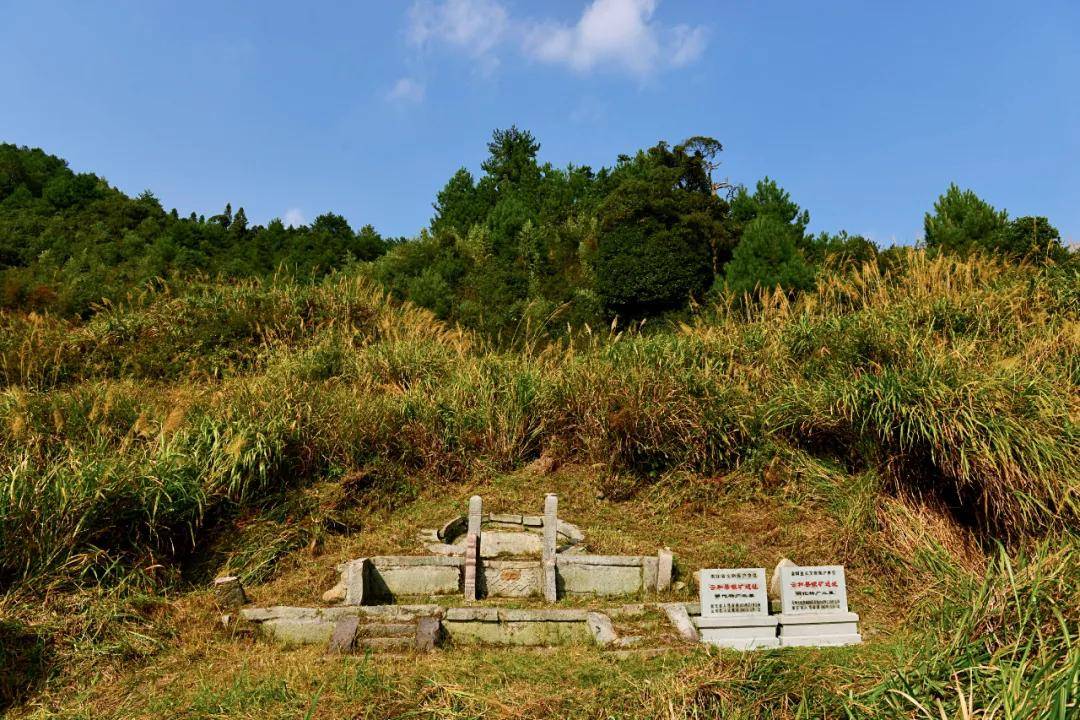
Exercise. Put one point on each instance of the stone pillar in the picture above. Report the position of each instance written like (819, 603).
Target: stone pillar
(551, 526)
(472, 545)
(664, 566)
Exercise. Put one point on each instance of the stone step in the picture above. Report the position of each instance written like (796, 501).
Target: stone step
(386, 630)
(384, 644)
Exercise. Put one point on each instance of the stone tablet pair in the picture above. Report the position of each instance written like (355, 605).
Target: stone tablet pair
(735, 608)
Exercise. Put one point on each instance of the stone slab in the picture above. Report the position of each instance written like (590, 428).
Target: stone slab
(298, 632)
(526, 633)
(536, 521)
(607, 560)
(812, 589)
(468, 614)
(428, 579)
(772, 622)
(371, 630)
(496, 543)
(381, 562)
(510, 578)
(601, 580)
(650, 571)
(602, 630)
(680, 619)
(821, 640)
(344, 636)
(428, 630)
(733, 591)
(664, 567)
(383, 644)
(508, 518)
(736, 638)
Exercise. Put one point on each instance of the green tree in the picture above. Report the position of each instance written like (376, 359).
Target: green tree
(1030, 238)
(768, 257)
(459, 205)
(511, 157)
(658, 229)
(768, 198)
(962, 223)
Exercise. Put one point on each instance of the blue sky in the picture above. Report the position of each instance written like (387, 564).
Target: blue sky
(864, 111)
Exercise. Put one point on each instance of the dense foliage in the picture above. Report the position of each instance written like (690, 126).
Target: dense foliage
(525, 248)
(69, 240)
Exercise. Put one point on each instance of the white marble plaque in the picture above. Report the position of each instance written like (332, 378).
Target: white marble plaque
(818, 589)
(733, 591)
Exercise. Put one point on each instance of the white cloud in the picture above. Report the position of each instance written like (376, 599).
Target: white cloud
(617, 33)
(473, 26)
(620, 34)
(294, 217)
(687, 44)
(406, 90)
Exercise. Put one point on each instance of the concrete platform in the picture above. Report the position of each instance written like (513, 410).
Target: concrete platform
(739, 632)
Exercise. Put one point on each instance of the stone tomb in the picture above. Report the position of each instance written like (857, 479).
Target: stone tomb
(486, 555)
(815, 608)
(735, 609)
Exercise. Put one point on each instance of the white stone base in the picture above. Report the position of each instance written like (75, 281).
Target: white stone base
(739, 632)
(819, 629)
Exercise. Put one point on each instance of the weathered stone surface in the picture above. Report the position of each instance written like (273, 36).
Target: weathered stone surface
(602, 630)
(386, 644)
(470, 579)
(456, 550)
(508, 518)
(665, 566)
(532, 521)
(603, 580)
(607, 560)
(550, 570)
(570, 532)
(454, 527)
(519, 632)
(542, 615)
(353, 576)
(629, 641)
(466, 614)
(774, 580)
(381, 629)
(649, 572)
(510, 578)
(381, 562)
(428, 630)
(344, 636)
(476, 515)
(627, 611)
(680, 619)
(495, 543)
(298, 632)
(394, 581)
(382, 613)
(335, 594)
(282, 612)
(229, 593)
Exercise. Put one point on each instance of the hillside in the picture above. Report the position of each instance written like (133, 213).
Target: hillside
(917, 422)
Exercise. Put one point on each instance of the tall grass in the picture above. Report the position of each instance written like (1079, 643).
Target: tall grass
(121, 438)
